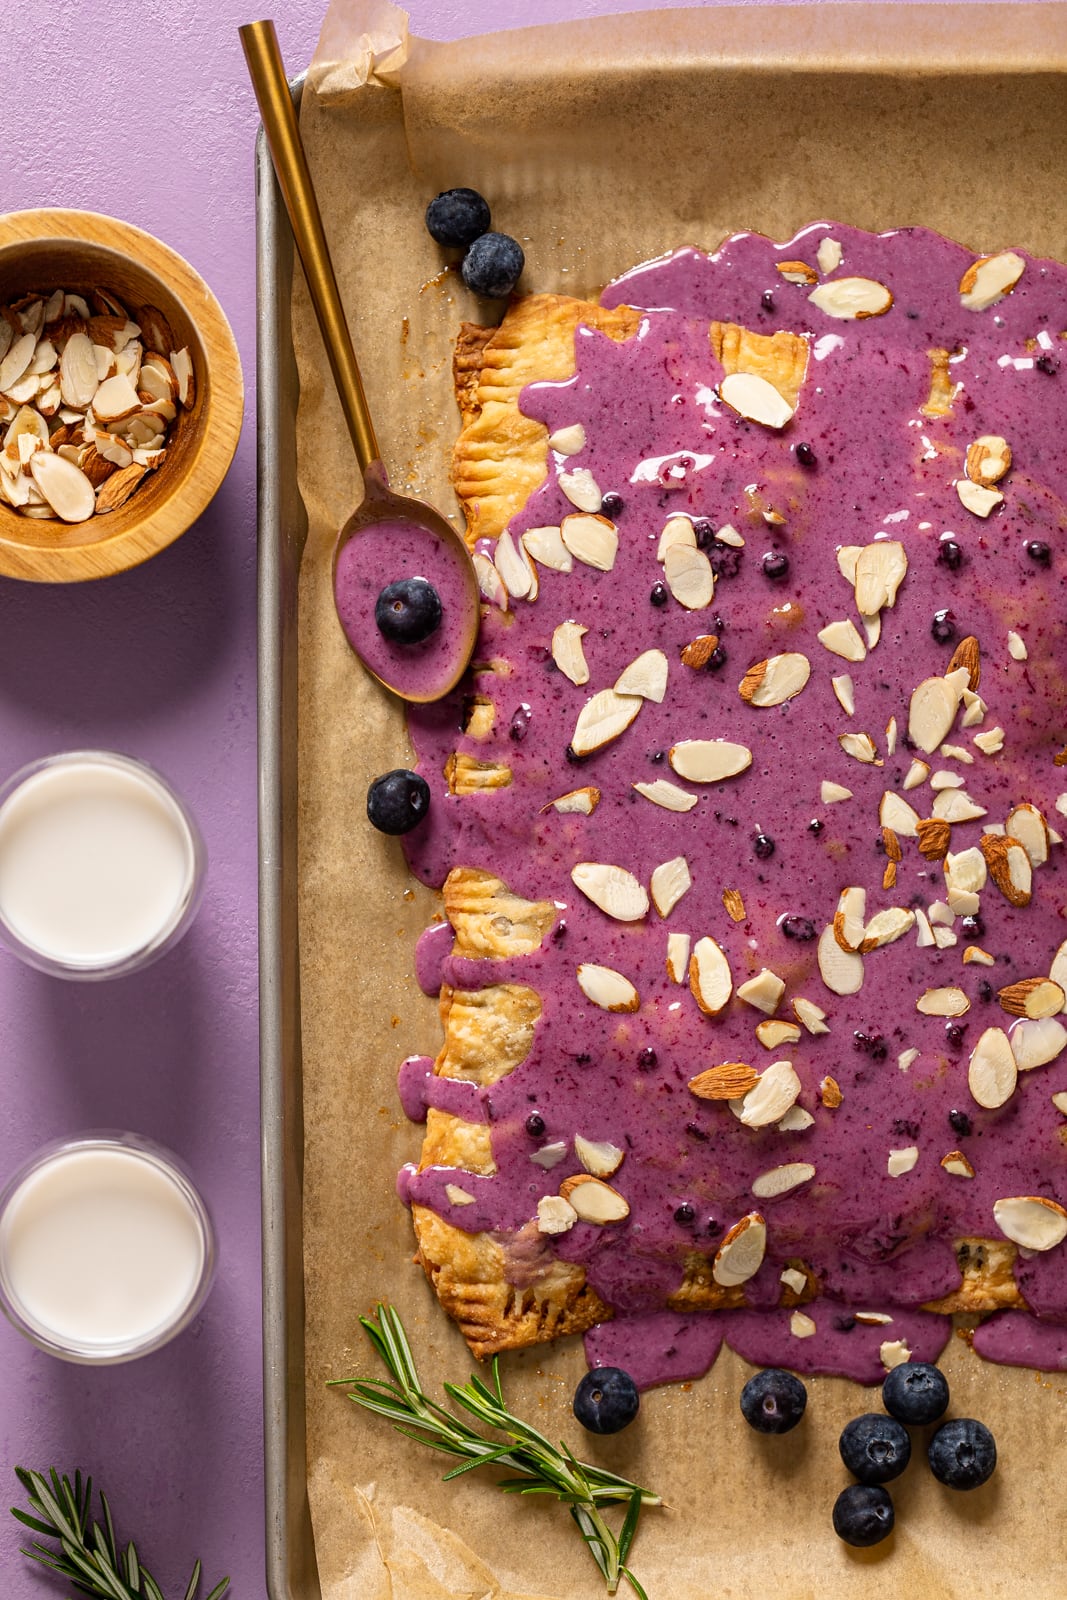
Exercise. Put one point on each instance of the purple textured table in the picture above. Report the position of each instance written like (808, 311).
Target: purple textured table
(154, 122)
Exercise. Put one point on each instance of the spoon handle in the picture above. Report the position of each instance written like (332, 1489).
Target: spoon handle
(290, 163)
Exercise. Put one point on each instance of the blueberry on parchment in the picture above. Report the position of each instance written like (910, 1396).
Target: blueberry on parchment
(606, 1400)
(875, 1448)
(863, 1514)
(962, 1453)
(457, 217)
(493, 264)
(773, 1401)
(915, 1392)
(398, 801)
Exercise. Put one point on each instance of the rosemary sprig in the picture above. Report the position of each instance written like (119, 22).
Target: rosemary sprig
(88, 1556)
(540, 1467)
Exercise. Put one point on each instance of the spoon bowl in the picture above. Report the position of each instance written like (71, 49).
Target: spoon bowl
(389, 536)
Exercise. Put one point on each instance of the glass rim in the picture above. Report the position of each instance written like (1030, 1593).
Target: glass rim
(112, 1352)
(184, 909)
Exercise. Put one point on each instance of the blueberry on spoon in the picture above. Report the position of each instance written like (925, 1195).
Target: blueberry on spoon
(408, 611)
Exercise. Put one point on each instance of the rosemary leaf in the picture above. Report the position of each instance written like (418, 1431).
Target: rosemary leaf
(541, 1467)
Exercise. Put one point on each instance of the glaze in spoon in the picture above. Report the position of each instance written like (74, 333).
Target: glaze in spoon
(393, 549)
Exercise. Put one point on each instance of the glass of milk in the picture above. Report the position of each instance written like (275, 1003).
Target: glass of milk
(101, 865)
(106, 1249)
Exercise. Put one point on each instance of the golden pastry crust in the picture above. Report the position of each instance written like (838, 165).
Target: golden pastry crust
(509, 1291)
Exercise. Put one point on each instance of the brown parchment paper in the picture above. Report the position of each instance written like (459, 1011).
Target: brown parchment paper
(601, 144)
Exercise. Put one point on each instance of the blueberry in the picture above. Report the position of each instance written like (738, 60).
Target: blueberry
(800, 928)
(915, 1392)
(815, 826)
(943, 627)
(767, 300)
(805, 455)
(1039, 552)
(874, 1448)
(606, 1400)
(973, 927)
(725, 559)
(685, 1214)
(492, 265)
(775, 565)
(612, 504)
(717, 659)
(397, 801)
(658, 594)
(950, 554)
(647, 1059)
(773, 1401)
(1046, 364)
(457, 217)
(863, 1514)
(764, 846)
(960, 1123)
(535, 1125)
(962, 1453)
(408, 611)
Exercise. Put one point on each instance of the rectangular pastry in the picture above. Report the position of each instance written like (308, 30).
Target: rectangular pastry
(753, 978)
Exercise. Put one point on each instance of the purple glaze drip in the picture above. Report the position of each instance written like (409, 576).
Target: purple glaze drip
(882, 467)
(656, 1347)
(420, 1089)
(433, 946)
(1017, 1340)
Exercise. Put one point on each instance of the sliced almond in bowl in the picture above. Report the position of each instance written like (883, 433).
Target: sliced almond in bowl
(763, 992)
(741, 1253)
(773, 1033)
(614, 890)
(776, 680)
(1009, 867)
(947, 1001)
(880, 570)
(65, 487)
(1031, 1221)
(576, 802)
(667, 795)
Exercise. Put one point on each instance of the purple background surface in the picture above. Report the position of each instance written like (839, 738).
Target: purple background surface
(152, 119)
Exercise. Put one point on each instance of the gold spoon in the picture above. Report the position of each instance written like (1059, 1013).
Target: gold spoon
(390, 536)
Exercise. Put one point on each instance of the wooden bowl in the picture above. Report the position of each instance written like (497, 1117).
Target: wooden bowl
(79, 251)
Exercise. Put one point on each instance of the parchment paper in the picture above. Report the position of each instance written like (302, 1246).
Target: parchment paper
(601, 144)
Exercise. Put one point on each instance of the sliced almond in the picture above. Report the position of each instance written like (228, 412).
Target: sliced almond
(555, 1215)
(956, 1163)
(546, 546)
(840, 969)
(16, 362)
(968, 654)
(734, 905)
(797, 272)
(490, 584)
(976, 498)
(756, 399)
(831, 793)
(1036, 1043)
(779, 1180)
(457, 1196)
(607, 988)
(117, 487)
(849, 917)
(594, 1201)
(989, 279)
(676, 530)
(975, 954)
(945, 780)
(842, 639)
(114, 399)
(991, 742)
(794, 1279)
(710, 978)
(947, 1001)
(828, 255)
(64, 486)
(772, 682)
(591, 539)
(568, 441)
(830, 1094)
(812, 1016)
(885, 927)
(1032, 997)
(764, 991)
(880, 570)
(966, 870)
(568, 651)
(896, 813)
(740, 1255)
(598, 1156)
(581, 489)
(646, 676)
(612, 889)
(935, 836)
(678, 957)
(846, 694)
(849, 299)
(602, 719)
(78, 380)
(576, 802)
(670, 881)
(1009, 867)
(772, 1033)
(728, 1081)
(988, 459)
(709, 760)
(916, 775)
(932, 712)
(689, 576)
(956, 805)
(1026, 823)
(1058, 968)
(182, 364)
(155, 330)
(769, 1099)
(1059, 1100)
(516, 570)
(860, 746)
(666, 794)
(902, 1161)
(992, 1071)
(1031, 1221)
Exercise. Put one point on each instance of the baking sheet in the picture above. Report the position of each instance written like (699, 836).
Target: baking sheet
(877, 116)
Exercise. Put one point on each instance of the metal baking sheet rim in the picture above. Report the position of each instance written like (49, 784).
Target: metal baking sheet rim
(291, 1567)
